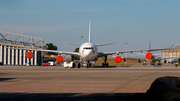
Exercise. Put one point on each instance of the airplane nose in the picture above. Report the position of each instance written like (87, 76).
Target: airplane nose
(89, 53)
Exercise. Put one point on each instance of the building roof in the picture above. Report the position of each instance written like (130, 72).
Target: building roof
(18, 40)
(174, 47)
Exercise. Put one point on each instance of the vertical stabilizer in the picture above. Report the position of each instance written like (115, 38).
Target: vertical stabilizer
(149, 44)
(89, 31)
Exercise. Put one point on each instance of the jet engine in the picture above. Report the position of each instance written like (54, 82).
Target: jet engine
(165, 61)
(148, 55)
(118, 59)
(29, 55)
(59, 58)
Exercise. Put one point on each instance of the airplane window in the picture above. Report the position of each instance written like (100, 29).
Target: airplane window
(88, 48)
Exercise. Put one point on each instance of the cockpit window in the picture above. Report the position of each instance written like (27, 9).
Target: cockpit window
(90, 48)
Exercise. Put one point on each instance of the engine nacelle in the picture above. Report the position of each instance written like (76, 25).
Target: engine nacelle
(165, 61)
(148, 55)
(118, 59)
(29, 55)
(59, 58)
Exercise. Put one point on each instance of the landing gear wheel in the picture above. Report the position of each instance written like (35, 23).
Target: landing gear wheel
(79, 65)
(73, 65)
(105, 65)
(90, 65)
(102, 64)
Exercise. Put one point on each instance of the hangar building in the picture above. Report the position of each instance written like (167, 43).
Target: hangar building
(171, 54)
(16, 54)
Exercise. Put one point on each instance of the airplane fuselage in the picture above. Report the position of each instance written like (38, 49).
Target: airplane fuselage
(88, 52)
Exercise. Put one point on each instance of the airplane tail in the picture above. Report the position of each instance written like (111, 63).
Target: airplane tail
(89, 31)
(89, 36)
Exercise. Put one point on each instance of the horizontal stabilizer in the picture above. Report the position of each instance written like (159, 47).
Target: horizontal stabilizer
(73, 44)
(105, 44)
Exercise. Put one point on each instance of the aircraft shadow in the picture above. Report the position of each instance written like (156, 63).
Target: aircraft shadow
(72, 97)
(109, 66)
(5, 79)
(104, 67)
(124, 66)
(157, 65)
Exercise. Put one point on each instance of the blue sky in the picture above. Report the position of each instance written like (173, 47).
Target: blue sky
(120, 21)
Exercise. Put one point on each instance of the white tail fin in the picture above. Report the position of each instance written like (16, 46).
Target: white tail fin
(89, 31)
(149, 44)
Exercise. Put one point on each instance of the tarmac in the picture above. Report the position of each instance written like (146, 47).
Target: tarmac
(19, 83)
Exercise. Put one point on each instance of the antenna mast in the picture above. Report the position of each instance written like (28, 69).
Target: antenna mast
(126, 50)
(81, 40)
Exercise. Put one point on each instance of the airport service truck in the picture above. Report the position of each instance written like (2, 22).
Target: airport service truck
(68, 64)
(72, 64)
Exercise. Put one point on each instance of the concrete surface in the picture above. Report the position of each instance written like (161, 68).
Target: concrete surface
(43, 82)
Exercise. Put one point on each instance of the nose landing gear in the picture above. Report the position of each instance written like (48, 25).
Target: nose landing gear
(88, 65)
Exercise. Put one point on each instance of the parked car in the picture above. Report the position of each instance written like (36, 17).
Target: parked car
(45, 63)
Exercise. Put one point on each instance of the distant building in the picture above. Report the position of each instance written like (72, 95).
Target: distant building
(13, 49)
(171, 54)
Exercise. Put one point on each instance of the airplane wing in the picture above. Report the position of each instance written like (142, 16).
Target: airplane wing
(168, 58)
(100, 54)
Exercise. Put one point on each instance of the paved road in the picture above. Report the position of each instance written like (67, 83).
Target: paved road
(53, 80)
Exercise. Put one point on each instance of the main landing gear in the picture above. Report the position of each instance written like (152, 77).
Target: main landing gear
(76, 64)
(144, 62)
(159, 63)
(105, 60)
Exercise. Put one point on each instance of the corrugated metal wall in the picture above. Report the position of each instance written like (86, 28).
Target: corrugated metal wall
(9, 56)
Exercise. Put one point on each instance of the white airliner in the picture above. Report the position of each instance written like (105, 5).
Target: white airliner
(154, 58)
(88, 52)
